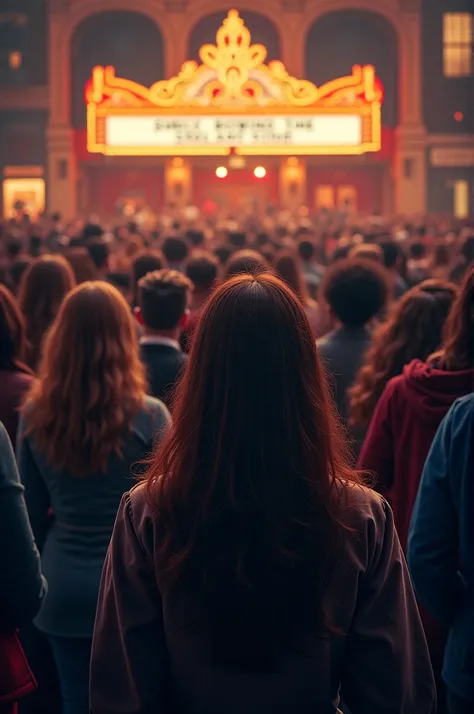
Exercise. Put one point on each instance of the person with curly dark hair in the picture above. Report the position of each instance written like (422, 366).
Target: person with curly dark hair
(355, 291)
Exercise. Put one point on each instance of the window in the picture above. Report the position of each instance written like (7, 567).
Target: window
(458, 44)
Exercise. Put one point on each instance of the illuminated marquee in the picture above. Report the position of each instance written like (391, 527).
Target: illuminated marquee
(233, 101)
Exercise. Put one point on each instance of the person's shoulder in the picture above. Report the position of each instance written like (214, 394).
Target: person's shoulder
(153, 409)
(139, 510)
(365, 504)
(461, 413)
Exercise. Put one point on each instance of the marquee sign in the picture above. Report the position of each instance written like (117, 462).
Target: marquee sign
(233, 101)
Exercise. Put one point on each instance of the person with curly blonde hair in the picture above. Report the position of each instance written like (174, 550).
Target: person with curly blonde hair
(85, 422)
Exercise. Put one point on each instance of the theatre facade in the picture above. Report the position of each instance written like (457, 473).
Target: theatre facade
(274, 102)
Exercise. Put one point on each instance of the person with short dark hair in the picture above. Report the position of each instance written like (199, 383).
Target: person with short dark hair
(237, 239)
(14, 248)
(92, 232)
(36, 246)
(176, 251)
(17, 270)
(418, 265)
(195, 238)
(392, 259)
(312, 271)
(464, 261)
(144, 263)
(356, 292)
(99, 253)
(223, 253)
(163, 312)
(202, 270)
(245, 261)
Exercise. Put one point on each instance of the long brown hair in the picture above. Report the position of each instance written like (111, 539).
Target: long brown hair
(288, 269)
(91, 381)
(248, 486)
(42, 289)
(458, 345)
(12, 334)
(413, 330)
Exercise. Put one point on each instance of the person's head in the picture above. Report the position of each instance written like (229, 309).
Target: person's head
(417, 251)
(250, 522)
(306, 249)
(121, 280)
(237, 239)
(391, 254)
(163, 298)
(175, 250)
(413, 330)
(91, 382)
(367, 251)
(43, 287)
(12, 333)
(223, 253)
(245, 261)
(467, 249)
(195, 238)
(92, 232)
(13, 248)
(288, 269)
(202, 270)
(18, 269)
(82, 265)
(145, 262)
(458, 342)
(355, 290)
(441, 256)
(99, 253)
(36, 246)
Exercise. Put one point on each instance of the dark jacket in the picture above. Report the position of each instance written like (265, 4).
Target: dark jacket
(142, 656)
(165, 365)
(22, 586)
(13, 387)
(342, 352)
(73, 544)
(441, 543)
(402, 429)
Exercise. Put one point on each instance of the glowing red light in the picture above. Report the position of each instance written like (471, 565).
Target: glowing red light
(458, 116)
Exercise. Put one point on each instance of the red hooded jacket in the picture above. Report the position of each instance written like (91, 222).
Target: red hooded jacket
(403, 426)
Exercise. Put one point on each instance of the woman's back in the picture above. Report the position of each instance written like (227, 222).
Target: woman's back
(253, 564)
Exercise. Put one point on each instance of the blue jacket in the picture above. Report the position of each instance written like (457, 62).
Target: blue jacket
(441, 542)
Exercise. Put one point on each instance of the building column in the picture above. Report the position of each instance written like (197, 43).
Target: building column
(61, 181)
(410, 137)
(176, 39)
(62, 170)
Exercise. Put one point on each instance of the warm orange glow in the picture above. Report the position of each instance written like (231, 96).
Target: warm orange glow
(260, 172)
(458, 116)
(221, 172)
(251, 89)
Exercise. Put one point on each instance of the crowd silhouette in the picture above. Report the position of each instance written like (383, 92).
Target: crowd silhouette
(220, 441)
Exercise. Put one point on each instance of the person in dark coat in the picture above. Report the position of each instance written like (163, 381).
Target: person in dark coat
(22, 586)
(441, 547)
(164, 296)
(355, 291)
(252, 572)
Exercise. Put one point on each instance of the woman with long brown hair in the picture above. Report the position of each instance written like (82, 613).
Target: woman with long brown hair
(288, 268)
(86, 422)
(15, 376)
(413, 330)
(42, 290)
(252, 572)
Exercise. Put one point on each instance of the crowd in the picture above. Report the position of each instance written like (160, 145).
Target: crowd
(220, 443)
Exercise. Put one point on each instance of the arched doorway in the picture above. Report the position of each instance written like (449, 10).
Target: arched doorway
(261, 28)
(132, 43)
(334, 44)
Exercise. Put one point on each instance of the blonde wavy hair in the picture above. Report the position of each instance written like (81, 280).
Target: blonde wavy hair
(91, 381)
